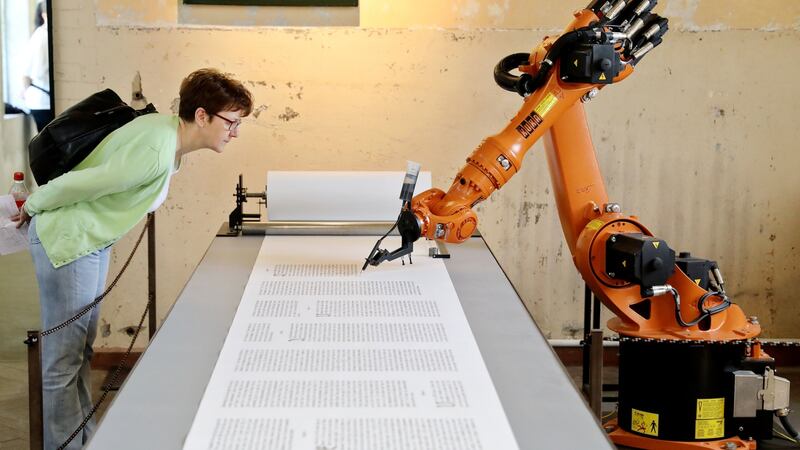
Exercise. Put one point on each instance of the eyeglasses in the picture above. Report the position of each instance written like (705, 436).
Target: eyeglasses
(233, 125)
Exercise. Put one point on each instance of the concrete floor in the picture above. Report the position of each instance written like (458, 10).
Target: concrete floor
(19, 303)
(14, 403)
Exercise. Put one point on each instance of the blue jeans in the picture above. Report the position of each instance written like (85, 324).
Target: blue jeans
(67, 353)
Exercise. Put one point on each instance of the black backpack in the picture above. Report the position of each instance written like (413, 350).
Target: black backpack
(70, 137)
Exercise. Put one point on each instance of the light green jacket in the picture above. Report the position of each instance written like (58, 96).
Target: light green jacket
(108, 193)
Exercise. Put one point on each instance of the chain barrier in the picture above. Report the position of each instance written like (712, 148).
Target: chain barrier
(763, 342)
(108, 387)
(100, 298)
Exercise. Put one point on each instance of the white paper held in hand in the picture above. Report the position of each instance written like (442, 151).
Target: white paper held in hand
(12, 239)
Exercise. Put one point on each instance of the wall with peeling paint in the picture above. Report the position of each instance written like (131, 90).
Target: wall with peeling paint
(701, 142)
(690, 15)
(695, 15)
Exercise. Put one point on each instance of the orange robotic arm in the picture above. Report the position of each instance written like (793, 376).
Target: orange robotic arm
(449, 216)
(620, 260)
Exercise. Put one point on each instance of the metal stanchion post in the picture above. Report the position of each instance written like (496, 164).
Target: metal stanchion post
(596, 376)
(151, 273)
(35, 411)
(585, 343)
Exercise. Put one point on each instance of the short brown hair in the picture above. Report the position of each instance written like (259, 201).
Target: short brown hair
(213, 91)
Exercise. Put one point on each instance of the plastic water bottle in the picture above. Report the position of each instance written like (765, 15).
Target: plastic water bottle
(18, 190)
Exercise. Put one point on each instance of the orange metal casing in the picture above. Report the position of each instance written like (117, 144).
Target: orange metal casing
(622, 437)
(483, 173)
(580, 196)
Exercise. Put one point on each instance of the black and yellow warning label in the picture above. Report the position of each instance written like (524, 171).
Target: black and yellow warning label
(709, 429)
(710, 408)
(595, 224)
(644, 422)
(546, 104)
(710, 418)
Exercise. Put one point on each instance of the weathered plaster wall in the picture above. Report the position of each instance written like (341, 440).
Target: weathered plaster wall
(700, 142)
(549, 14)
(696, 15)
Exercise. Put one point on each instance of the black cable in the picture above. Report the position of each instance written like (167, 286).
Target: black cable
(726, 303)
(376, 247)
(704, 313)
(530, 84)
(789, 428)
(526, 84)
(501, 71)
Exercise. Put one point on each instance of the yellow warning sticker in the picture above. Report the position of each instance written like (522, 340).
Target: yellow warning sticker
(575, 62)
(602, 77)
(710, 423)
(624, 263)
(546, 104)
(697, 282)
(644, 422)
(709, 429)
(595, 225)
(710, 408)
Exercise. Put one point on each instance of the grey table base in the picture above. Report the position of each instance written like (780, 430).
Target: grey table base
(157, 403)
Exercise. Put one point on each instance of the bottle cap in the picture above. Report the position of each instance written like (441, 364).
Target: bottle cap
(19, 176)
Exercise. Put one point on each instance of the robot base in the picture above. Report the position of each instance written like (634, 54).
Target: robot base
(622, 437)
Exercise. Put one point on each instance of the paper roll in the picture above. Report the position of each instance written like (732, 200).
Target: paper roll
(337, 196)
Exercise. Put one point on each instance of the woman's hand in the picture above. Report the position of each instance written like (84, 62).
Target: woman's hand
(22, 217)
